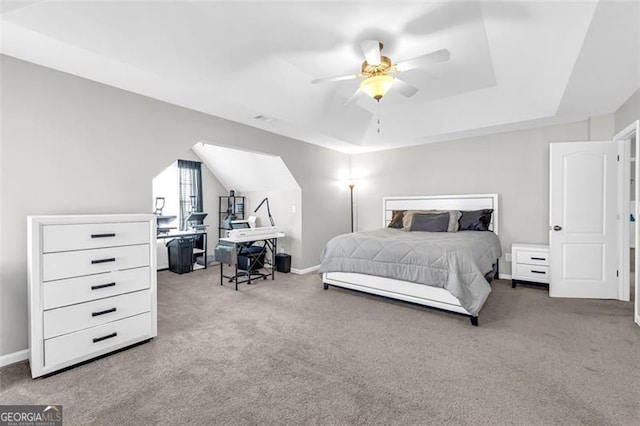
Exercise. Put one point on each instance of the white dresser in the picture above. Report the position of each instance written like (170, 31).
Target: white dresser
(92, 286)
(530, 262)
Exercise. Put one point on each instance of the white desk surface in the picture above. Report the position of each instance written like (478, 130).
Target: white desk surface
(177, 234)
(247, 238)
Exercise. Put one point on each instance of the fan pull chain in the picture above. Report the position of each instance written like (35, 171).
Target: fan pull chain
(378, 114)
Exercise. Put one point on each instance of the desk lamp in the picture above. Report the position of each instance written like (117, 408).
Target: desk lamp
(266, 199)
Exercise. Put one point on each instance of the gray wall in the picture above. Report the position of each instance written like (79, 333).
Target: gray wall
(280, 204)
(70, 145)
(515, 165)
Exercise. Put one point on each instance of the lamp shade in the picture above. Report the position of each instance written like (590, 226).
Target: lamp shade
(377, 86)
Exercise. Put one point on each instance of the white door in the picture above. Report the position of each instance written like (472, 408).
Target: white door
(583, 233)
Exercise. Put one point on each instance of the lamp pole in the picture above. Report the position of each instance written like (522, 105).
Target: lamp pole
(351, 185)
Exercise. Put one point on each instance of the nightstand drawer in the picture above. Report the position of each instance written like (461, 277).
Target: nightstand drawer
(532, 257)
(537, 273)
(70, 264)
(93, 235)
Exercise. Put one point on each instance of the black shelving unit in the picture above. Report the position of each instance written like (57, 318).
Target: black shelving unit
(229, 208)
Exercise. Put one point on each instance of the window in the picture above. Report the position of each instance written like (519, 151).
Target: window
(190, 189)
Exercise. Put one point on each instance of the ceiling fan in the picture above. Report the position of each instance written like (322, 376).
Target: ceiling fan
(377, 71)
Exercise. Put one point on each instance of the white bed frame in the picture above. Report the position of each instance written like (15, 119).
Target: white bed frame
(411, 292)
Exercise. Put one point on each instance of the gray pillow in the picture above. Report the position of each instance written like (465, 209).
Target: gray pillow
(454, 215)
(475, 220)
(429, 222)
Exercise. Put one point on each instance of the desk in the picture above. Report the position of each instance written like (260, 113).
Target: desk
(162, 254)
(229, 249)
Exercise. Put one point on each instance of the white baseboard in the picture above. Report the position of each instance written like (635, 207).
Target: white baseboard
(12, 358)
(504, 276)
(305, 271)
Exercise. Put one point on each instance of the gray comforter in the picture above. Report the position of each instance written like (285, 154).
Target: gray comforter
(455, 261)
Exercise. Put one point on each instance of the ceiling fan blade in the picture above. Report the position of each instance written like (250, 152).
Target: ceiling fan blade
(354, 97)
(338, 78)
(371, 51)
(404, 88)
(441, 55)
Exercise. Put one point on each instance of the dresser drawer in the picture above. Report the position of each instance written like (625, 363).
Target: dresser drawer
(532, 257)
(70, 264)
(90, 314)
(97, 339)
(537, 273)
(83, 289)
(93, 235)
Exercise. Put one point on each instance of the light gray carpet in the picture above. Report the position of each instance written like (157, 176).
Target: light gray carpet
(289, 352)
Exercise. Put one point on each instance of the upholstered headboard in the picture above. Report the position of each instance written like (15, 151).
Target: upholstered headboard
(442, 202)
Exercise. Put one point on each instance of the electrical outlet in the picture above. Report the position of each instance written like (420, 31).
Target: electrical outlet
(507, 257)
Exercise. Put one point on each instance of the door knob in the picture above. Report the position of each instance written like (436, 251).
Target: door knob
(557, 228)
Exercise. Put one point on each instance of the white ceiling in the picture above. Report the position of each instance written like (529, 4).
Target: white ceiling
(513, 64)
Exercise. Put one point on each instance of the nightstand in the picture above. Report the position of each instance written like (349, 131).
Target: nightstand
(530, 263)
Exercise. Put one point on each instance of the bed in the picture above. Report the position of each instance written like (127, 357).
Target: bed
(444, 270)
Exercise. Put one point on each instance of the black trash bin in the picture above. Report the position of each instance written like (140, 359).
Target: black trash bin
(180, 251)
(283, 262)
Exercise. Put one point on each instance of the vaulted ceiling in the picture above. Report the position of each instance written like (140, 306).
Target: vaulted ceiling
(513, 64)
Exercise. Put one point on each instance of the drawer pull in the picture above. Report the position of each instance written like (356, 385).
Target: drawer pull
(102, 235)
(538, 272)
(98, 287)
(108, 311)
(538, 258)
(108, 336)
(109, 259)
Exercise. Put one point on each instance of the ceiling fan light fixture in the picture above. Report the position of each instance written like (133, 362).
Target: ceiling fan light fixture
(377, 86)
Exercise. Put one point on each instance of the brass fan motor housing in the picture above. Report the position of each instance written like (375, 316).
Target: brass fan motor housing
(384, 67)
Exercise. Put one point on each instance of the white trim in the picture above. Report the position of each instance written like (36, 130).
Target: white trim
(504, 276)
(305, 271)
(624, 187)
(626, 133)
(14, 357)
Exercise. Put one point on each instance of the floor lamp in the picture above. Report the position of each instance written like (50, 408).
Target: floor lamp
(351, 185)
